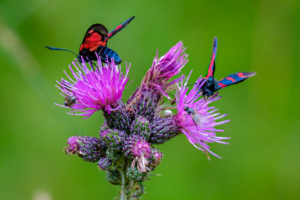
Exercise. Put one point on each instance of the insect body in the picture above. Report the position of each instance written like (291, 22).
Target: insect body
(212, 85)
(95, 42)
(70, 101)
(198, 120)
(105, 54)
(195, 116)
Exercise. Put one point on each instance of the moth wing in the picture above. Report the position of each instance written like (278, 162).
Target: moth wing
(234, 79)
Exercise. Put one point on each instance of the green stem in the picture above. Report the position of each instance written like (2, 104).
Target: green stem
(132, 190)
(123, 178)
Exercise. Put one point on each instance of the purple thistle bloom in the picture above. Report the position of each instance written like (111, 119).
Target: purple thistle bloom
(199, 127)
(141, 148)
(141, 151)
(97, 89)
(161, 71)
(167, 66)
(74, 145)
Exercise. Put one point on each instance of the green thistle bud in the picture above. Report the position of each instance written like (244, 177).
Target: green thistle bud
(113, 155)
(148, 101)
(140, 126)
(118, 119)
(114, 177)
(163, 129)
(113, 138)
(135, 175)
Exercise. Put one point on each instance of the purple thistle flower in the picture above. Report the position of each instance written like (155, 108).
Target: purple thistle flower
(137, 148)
(161, 71)
(141, 148)
(73, 143)
(167, 66)
(97, 89)
(141, 151)
(199, 127)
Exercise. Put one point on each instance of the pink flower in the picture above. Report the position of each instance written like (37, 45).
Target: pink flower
(195, 119)
(98, 88)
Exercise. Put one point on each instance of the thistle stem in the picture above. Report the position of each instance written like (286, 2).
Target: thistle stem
(123, 178)
(132, 191)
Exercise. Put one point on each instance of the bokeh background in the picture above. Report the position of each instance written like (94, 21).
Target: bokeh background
(262, 160)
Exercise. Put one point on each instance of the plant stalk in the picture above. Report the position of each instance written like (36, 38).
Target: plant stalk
(123, 178)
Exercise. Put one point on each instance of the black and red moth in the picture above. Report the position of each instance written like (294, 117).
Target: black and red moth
(212, 85)
(95, 42)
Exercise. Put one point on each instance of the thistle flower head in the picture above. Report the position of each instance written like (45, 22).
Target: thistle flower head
(160, 72)
(136, 147)
(167, 66)
(88, 148)
(73, 143)
(112, 138)
(95, 88)
(155, 159)
(141, 148)
(141, 151)
(195, 119)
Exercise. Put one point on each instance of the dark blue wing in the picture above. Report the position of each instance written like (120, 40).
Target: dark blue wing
(211, 66)
(234, 79)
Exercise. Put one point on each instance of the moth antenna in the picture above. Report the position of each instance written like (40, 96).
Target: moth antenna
(60, 49)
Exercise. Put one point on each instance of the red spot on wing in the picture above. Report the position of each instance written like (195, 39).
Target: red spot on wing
(210, 71)
(92, 42)
(241, 75)
(91, 31)
(119, 27)
(231, 79)
(108, 35)
(222, 85)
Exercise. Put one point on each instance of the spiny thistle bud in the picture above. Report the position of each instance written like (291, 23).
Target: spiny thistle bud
(140, 126)
(154, 159)
(113, 154)
(148, 101)
(135, 175)
(88, 148)
(104, 163)
(113, 138)
(114, 177)
(162, 130)
(118, 118)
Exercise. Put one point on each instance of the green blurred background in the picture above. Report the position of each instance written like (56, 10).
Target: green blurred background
(262, 160)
